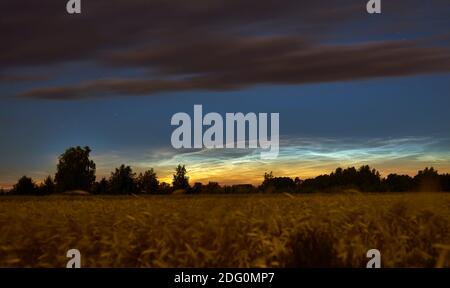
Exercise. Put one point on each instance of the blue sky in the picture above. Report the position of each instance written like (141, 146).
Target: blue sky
(345, 123)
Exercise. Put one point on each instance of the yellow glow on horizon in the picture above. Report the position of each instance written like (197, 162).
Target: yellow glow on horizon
(303, 160)
(253, 174)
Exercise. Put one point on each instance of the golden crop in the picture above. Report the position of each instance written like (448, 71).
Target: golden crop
(410, 230)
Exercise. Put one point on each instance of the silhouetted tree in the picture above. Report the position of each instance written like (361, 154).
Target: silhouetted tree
(445, 182)
(368, 180)
(48, 187)
(277, 184)
(212, 188)
(25, 186)
(197, 188)
(75, 171)
(165, 188)
(180, 180)
(243, 189)
(122, 181)
(266, 185)
(398, 183)
(364, 179)
(427, 180)
(100, 187)
(148, 182)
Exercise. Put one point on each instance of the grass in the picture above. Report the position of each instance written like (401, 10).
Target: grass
(410, 230)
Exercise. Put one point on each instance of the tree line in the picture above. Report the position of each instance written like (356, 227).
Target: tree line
(363, 179)
(76, 172)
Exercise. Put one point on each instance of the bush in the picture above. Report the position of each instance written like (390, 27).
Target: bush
(25, 186)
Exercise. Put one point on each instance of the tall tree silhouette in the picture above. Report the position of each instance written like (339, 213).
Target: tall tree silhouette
(148, 182)
(48, 187)
(180, 180)
(75, 171)
(122, 181)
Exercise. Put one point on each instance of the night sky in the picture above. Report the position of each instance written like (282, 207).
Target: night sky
(351, 88)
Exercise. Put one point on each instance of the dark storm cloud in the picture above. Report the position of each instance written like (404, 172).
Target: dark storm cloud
(12, 78)
(287, 59)
(211, 44)
(41, 32)
(247, 62)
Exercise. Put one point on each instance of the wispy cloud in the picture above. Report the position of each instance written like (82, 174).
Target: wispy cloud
(298, 157)
(275, 61)
(302, 157)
